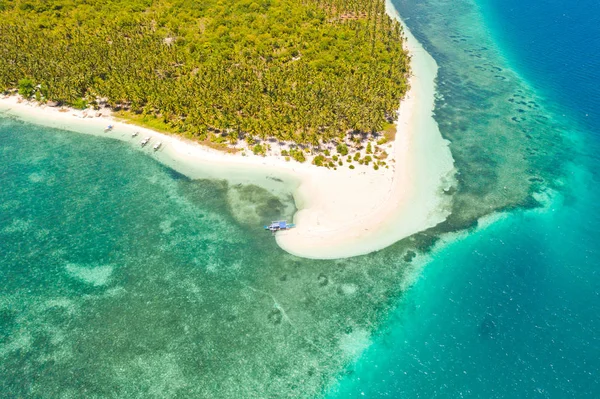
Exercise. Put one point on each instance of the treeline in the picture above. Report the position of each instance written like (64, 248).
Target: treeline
(305, 71)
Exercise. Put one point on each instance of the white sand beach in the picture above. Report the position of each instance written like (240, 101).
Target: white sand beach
(341, 213)
(351, 214)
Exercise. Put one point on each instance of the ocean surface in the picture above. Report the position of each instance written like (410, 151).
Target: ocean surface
(124, 279)
(511, 310)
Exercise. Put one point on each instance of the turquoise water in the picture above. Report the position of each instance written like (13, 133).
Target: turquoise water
(124, 279)
(511, 311)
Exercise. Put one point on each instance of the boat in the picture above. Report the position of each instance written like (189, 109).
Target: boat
(134, 134)
(108, 128)
(145, 141)
(157, 146)
(279, 225)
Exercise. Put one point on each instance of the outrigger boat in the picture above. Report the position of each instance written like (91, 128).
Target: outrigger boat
(145, 141)
(279, 225)
(134, 134)
(157, 146)
(108, 128)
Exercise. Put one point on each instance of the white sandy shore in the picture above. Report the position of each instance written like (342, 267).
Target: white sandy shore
(342, 212)
(354, 214)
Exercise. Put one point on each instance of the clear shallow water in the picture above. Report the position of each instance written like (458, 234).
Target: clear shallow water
(511, 311)
(122, 278)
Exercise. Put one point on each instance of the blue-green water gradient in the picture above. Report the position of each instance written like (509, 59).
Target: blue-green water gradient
(124, 279)
(511, 311)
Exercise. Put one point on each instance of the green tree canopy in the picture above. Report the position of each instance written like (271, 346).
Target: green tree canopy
(306, 71)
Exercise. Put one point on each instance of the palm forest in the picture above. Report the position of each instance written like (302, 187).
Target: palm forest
(301, 71)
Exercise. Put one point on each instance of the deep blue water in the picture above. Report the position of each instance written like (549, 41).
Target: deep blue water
(511, 311)
(555, 45)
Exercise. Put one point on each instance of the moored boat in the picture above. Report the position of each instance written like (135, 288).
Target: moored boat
(145, 141)
(108, 128)
(157, 146)
(279, 225)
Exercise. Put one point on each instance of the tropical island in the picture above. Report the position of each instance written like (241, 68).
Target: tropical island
(303, 72)
(233, 86)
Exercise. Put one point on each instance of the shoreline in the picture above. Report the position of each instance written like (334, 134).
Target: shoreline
(415, 199)
(341, 213)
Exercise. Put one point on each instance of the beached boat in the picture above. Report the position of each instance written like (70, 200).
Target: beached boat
(279, 225)
(157, 146)
(134, 134)
(108, 128)
(145, 141)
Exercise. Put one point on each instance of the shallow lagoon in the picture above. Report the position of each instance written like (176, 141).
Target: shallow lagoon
(124, 278)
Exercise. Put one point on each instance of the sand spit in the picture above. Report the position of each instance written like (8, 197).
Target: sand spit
(353, 214)
(342, 212)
